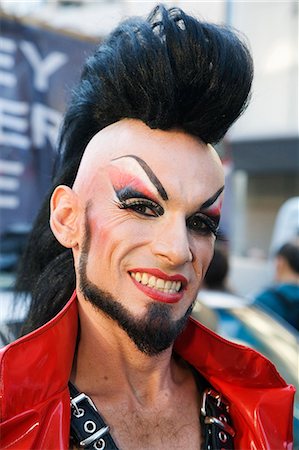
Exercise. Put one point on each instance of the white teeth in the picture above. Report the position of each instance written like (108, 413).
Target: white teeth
(152, 281)
(169, 287)
(160, 284)
(144, 279)
(138, 277)
(168, 284)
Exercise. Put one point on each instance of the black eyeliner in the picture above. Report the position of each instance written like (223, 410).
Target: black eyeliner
(127, 195)
(213, 225)
(128, 192)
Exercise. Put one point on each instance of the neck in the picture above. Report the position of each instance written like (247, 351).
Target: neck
(107, 359)
(289, 278)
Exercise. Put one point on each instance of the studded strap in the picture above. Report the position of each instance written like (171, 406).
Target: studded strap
(216, 422)
(89, 430)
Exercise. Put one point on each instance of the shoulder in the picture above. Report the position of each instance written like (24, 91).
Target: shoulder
(267, 294)
(289, 291)
(249, 383)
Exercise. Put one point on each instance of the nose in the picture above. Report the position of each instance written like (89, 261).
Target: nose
(171, 243)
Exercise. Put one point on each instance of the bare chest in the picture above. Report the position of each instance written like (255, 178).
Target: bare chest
(142, 429)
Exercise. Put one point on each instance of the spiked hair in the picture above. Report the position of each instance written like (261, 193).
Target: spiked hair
(170, 70)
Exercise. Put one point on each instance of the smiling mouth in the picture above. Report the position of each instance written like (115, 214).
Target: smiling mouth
(165, 286)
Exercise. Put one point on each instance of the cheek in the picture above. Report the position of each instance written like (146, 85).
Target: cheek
(112, 233)
(100, 240)
(100, 232)
(203, 254)
(104, 244)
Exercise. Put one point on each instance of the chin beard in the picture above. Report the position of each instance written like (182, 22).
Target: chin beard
(152, 333)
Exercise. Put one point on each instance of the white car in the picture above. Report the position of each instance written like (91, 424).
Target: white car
(237, 319)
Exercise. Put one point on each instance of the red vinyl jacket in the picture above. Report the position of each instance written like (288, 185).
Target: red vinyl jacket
(35, 402)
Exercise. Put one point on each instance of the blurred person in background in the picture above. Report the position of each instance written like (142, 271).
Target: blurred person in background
(286, 225)
(283, 296)
(110, 357)
(215, 280)
(218, 270)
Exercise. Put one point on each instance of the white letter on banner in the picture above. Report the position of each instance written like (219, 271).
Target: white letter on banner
(7, 46)
(9, 120)
(10, 171)
(42, 68)
(45, 124)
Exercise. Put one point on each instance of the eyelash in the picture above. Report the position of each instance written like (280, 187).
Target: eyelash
(205, 225)
(210, 226)
(137, 204)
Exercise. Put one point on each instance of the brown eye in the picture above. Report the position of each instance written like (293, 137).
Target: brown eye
(144, 207)
(144, 210)
(201, 224)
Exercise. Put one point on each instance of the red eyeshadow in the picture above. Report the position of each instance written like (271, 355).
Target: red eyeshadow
(215, 209)
(122, 179)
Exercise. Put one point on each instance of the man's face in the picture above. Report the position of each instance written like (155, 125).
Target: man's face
(151, 204)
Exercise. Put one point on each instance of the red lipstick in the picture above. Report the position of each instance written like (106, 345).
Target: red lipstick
(159, 274)
(156, 294)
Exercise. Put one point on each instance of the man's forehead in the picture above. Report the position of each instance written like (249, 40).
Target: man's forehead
(103, 145)
(127, 139)
(98, 152)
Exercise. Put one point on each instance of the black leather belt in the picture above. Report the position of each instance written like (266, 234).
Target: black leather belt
(216, 423)
(89, 431)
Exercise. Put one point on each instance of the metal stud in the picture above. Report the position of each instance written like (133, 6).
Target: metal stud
(78, 412)
(100, 444)
(90, 426)
(223, 418)
(222, 436)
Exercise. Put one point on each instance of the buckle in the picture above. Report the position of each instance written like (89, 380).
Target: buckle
(210, 393)
(211, 396)
(79, 412)
(89, 426)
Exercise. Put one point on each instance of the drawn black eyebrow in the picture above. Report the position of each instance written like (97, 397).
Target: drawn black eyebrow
(212, 200)
(157, 183)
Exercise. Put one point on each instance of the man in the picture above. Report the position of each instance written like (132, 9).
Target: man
(283, 297)
(135, 209)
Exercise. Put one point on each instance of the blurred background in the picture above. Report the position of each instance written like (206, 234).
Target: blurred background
(43, 45)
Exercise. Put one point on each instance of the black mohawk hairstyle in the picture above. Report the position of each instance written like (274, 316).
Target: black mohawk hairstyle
(170, 70)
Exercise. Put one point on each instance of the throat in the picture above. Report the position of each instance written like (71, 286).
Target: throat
(158, 424)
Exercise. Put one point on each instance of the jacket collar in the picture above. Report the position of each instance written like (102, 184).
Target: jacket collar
(38, 365)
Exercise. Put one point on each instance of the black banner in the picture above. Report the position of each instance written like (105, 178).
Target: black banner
(38, 68)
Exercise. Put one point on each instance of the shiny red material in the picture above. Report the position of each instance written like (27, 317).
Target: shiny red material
(35, 369)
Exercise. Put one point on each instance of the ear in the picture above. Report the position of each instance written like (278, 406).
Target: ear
(280, 267)
(65, 216)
